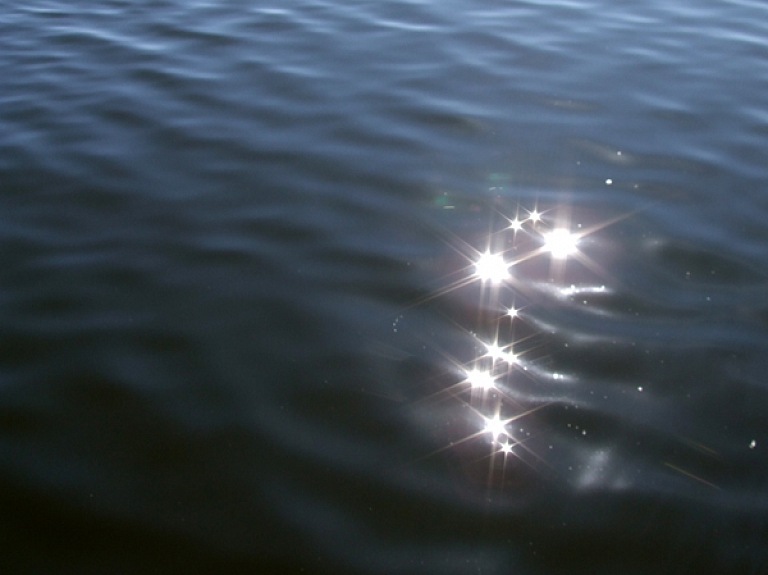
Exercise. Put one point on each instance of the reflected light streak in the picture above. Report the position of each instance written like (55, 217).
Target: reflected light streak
(580, 290)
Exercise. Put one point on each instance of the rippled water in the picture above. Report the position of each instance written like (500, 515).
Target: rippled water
(242, 327)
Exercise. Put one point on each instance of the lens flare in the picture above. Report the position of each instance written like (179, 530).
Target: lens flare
(560, 243)
(480, 379)
(497, 353)
(492, 267)
(496, 426)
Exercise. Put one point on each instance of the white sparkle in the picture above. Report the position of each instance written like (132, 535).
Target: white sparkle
(512, 312)
(534, 216)
(496, 426)
(497, 353)
(491, 267)
(516, 225)
(494, 351)
(480, 379)
(506, 448)
(560, 243)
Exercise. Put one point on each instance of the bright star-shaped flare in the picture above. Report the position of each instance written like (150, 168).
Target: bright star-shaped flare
(534, 216)
(516, 225)
(480, 379)
(512, 312)
(494, 351)
(506, 448)
(491, 267)
(496, 426)
(497, 353)
(560, 243)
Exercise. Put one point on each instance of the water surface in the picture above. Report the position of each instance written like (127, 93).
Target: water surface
(240, 316)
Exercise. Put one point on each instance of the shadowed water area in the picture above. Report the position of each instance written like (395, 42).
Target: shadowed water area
(280, 291)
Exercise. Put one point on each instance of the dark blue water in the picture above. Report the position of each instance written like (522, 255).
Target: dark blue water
(241, 326)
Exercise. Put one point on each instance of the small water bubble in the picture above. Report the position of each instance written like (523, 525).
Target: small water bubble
(753, 444)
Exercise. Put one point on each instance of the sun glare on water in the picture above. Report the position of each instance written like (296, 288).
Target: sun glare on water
(500, 416)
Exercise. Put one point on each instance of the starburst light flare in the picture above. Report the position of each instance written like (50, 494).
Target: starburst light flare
(492, 267)
(560, 243)
(494, 351)
(496, 426)
(497, 353)
(479, 379)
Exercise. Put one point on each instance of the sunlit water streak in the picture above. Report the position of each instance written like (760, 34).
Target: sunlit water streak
(491, 377)
(528, 421)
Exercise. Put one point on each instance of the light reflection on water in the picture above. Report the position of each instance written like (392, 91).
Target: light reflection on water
(509, 384)
(497, 414)
(209, 244)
